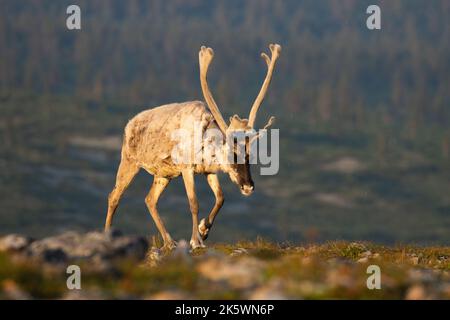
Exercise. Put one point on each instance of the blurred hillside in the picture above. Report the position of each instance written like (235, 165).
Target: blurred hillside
(364, 115)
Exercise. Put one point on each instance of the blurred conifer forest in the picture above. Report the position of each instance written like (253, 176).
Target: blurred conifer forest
(364, 116)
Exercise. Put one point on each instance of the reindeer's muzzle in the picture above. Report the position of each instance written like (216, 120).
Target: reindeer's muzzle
(247, 190)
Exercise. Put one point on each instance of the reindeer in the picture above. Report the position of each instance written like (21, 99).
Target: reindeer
(148, 144)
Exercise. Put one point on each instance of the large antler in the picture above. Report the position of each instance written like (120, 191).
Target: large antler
(275, 49)
(205, 56)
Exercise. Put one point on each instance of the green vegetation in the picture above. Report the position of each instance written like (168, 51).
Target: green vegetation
(258, 269)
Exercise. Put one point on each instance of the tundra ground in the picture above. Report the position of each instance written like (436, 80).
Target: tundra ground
(244, 270)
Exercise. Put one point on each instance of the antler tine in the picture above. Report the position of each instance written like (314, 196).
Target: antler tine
(261, 133)
(275, 50)
(205, 56)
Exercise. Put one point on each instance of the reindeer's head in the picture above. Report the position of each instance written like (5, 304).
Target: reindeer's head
(239, 171)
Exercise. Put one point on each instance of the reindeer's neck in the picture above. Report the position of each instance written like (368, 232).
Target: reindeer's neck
(212, 164)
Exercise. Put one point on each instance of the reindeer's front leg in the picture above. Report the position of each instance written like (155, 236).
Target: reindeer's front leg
(206, 224)
(189, 183)
(159, 184)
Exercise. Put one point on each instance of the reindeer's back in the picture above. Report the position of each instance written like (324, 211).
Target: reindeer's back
(149, 139)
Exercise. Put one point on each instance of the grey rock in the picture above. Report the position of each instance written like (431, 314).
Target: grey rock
(363, 260)
(181, 251)
(367, 254)
(239, 251)
(242, 274)
(50, 255)
(96, 247)
(14, 243)
(421, 276)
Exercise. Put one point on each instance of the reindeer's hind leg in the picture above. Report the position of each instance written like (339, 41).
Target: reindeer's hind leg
(159, 184)
(125, 174)
(206, 224)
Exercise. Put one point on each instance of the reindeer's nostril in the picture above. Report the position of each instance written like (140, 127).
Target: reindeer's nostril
(246, 189)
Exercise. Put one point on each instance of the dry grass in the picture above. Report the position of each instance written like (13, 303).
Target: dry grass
(250, 269)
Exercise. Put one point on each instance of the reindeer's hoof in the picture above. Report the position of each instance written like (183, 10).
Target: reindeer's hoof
(169, 245)
(203, 229)
(196, 243)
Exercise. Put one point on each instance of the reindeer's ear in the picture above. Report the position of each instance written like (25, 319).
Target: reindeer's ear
(235, 117)
(236, 123)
